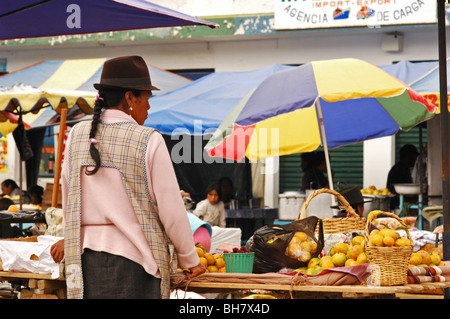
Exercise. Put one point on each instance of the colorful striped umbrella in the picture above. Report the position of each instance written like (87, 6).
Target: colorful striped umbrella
(330, 103)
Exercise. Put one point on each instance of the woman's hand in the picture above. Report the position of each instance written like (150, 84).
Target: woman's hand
(197, 270)
(57, 251)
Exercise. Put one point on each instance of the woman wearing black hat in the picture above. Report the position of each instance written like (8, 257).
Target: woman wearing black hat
(121, 199)
(354, 197)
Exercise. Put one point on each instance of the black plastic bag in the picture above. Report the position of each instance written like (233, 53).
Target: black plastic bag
(271, 257)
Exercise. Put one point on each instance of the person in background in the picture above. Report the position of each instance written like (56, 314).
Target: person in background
(314, 177)
(211, 209)
(11, 189)
(400, 173)
(355, 199)
(226, 191)
(121, 199)
(36, 194)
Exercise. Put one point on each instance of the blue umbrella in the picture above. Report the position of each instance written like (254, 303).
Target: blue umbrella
(40, 18)
(407, 71)
(199, 107)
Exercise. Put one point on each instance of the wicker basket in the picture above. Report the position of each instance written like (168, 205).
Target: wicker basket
(388, 265)
(336, 225)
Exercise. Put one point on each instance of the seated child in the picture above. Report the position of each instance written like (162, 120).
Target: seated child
(211, 209)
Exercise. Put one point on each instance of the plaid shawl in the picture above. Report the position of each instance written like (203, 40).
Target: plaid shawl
(122, 146)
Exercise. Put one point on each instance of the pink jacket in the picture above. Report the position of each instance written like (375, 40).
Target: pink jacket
(108, 221)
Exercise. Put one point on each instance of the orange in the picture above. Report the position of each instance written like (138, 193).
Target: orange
(426, 257)
(210, 258)
(13, 209)
(293, 250)
(388, 241)
(200, 251)
(324, 259)
(339, 259)
(223, 269)
(389, 232)
(357, 240)
(415, 259)
(204, 261)
(212, 268)
(362, 259)
(435, 259)
(220, 263)
(350, 262)
(305, 245)
(304, 256)
(327, 264)
(374, 232)
(313, 262)
(354, 251)
(340, 248)
(313, 245)
(301, 236)
(377, 240)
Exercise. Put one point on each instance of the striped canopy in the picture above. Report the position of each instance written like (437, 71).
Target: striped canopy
(356, 100)
(61, 84)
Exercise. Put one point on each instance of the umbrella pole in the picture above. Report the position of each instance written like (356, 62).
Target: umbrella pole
(444, 133)
(62, 129)
(325, 147)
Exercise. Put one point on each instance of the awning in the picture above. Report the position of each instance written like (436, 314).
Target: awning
(64, 83)
(41, 18)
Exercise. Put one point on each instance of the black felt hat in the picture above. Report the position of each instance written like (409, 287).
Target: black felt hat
(353, 196)
(127, 72)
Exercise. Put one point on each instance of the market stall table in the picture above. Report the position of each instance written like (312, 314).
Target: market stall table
(22, 217)
(40, 286)
(284, 290)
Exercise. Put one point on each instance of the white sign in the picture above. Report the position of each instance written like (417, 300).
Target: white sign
(312, 14)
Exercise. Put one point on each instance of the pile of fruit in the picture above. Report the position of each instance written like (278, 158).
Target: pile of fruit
(341, 255)
(387, 238)
(372, 190)
(301, 247)
(212, 262)
(423, 258)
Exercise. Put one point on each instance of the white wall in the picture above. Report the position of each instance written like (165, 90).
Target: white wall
(246, 52)
(379, 157)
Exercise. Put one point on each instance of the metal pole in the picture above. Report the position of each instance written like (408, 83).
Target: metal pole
(444, 133)
(325, 146)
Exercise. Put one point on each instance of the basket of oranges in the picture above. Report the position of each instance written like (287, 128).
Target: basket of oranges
(388, 252)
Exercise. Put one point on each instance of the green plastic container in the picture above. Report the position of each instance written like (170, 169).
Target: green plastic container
(239, 262)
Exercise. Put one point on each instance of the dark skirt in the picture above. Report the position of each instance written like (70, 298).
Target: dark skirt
(107, 276)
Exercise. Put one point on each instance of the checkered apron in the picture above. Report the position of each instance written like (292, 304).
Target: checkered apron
(122, 146)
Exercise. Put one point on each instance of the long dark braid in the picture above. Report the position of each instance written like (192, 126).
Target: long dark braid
(106, 99)
(95, 154)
